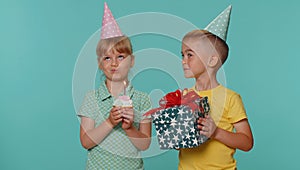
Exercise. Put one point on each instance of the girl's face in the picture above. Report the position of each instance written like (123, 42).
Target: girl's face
(193, 59)
(116, 66)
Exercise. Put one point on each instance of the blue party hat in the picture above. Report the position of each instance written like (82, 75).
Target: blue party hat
(219, 26)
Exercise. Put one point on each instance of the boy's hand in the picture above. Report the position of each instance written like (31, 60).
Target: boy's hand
(128, 117)
(115, 116)
(207, 126)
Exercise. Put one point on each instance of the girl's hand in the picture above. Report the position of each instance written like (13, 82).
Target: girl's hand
(207, 126)
(115, 116)
(128, 117)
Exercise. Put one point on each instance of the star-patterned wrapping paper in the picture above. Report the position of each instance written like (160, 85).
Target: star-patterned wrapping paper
(176, 127)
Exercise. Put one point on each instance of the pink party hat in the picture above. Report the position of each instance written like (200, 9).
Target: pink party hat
(110, 27)
(219, 26)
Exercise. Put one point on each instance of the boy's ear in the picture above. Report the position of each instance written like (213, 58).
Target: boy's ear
(213, 61)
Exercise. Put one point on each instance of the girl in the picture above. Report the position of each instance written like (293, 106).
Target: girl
(114, 135)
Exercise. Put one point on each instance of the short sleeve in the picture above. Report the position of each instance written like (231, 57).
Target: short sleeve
(236, 110)
(146, 106)
(89, 106)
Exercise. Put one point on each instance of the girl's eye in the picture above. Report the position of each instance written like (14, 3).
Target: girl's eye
(189, 54)
(106, 58)
(121, 57)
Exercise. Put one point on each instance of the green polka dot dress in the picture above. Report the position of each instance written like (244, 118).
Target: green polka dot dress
(116, 151)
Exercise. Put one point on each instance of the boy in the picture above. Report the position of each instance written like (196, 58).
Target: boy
(226, 125)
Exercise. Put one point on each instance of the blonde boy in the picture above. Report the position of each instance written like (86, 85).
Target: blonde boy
(227, 124)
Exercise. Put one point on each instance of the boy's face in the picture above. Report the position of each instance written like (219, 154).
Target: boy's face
(116, 66)
(194, 58)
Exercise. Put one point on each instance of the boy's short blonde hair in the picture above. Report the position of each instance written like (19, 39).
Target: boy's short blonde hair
(219, 45)
(119, 44)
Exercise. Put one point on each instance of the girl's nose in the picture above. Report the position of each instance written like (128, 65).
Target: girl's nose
(114, 62)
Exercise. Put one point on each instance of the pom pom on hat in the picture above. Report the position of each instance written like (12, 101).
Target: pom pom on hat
(110, 27)
(219, 26)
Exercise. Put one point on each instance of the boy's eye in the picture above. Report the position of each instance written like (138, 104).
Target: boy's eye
(189, 54)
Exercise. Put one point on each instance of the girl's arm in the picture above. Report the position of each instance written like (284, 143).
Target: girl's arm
(241, 139)
(91, 136)
(140, 138)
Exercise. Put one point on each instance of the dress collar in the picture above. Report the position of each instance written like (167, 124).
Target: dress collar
(104, 94)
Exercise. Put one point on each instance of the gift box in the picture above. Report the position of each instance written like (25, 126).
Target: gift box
(176, 120)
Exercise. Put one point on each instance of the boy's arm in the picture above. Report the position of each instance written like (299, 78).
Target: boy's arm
(240, 139)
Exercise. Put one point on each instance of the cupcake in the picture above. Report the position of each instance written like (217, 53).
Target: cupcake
(123, 101)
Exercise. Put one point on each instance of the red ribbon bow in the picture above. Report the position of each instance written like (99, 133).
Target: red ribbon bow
(175, 99)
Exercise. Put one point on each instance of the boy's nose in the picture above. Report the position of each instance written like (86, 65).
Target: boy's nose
(183, 61)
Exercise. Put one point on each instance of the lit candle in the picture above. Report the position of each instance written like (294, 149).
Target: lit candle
(123, 100)
(125, 83)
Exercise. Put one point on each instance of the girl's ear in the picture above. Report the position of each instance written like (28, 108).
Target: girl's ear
(99, 64)
(132, 60)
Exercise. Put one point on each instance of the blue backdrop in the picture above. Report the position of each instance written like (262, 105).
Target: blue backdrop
(41, 43)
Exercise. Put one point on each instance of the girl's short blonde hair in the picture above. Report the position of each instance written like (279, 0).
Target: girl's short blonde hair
(119, 44)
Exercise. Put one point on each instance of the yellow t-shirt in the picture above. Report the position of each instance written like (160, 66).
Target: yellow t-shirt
(226, 109)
